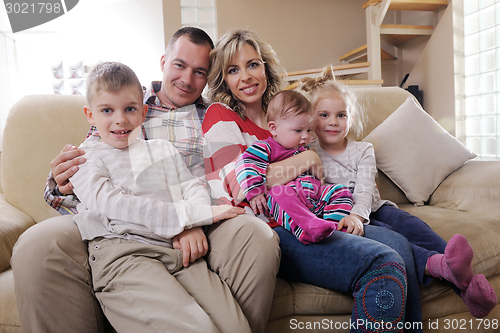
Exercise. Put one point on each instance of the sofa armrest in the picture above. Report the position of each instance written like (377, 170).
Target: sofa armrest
(1, 191)
(474, 188)
(13, 222)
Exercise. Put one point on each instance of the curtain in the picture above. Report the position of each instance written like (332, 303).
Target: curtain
(10, 90)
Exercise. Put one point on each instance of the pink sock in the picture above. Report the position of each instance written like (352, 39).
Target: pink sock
(455, 264)
(317, 231)
(479, 297)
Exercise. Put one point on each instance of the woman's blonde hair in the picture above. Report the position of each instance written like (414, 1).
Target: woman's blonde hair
(326, 86)
(222, 55)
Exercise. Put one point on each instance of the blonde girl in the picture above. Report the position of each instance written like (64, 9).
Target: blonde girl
(337, 124)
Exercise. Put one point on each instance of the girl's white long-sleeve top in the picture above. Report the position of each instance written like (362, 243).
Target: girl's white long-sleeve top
(356, 168)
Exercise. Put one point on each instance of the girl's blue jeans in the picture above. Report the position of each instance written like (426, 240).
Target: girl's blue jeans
(370, 268)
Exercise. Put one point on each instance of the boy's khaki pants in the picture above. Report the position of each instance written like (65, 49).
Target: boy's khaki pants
(145, 288)
(53, 283)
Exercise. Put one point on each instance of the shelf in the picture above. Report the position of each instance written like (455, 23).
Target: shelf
(417, 5)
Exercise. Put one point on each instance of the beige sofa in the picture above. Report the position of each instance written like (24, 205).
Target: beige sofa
(466, 202)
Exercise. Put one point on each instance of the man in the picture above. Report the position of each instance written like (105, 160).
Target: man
(51, 272)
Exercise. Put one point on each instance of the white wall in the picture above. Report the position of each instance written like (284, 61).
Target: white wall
(434, 73)
(305, 34)
(93, 31)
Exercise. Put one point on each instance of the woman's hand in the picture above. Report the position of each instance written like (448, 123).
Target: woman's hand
(353, 224)
(193, 244)
(65, 165)
(317, 172)
(224, 212)
(280, 173)
(259, 204)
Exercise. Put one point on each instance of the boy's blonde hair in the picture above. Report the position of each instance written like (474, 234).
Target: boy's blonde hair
(222, 55)
(326, 86)
(111, 77)
(287, 104)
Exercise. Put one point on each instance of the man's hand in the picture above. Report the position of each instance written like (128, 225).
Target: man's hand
(193, 244)
(65, 165)
(259, 204)
(353, 224)
(224, 212)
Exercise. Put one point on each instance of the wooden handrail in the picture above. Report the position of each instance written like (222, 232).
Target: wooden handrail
(353, 52)
(385, 55)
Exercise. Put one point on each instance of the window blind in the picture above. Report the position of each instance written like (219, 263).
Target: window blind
(482, 77)
(200, 14)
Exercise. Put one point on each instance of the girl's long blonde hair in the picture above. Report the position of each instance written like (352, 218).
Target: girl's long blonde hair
(222, 55)
(326, 86)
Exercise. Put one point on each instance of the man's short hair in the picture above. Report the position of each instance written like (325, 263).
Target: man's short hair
(195, 36)
(111, 77)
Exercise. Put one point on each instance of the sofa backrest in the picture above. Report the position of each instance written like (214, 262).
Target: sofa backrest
(37, 129)
(380, 103)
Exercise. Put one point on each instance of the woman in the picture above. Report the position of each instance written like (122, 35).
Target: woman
(243, 78)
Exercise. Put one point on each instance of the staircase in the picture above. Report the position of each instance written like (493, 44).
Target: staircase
(396, 35)
(342, 72)
(369, 58)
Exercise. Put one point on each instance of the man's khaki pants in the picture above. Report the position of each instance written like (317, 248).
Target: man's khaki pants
(53, 281)
(145, 288)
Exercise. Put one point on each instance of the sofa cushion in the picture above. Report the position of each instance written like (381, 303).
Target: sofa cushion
(311, 300)
(282, 300)
(389, 191)
(9, 320)
(414, 151)
(1, 191)
(474, 188)
(37, 129)
(13, 222)
(480, 230)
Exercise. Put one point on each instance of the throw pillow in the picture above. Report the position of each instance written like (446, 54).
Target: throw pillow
(415, 152)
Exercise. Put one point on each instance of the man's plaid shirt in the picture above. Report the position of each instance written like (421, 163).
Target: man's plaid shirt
(182, 127)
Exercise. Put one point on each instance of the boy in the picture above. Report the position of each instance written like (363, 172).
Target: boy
(305, 207)
(135, 196)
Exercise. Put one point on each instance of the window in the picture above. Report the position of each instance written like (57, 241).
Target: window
(482, 77)
(10, 85)
(27, 58)
(200, 14)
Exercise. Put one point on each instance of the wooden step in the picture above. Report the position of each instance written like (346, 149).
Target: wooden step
(402, 33)
(363, 82)
(341, 70)
(361, 54)
(423, 5)
(354, 83)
